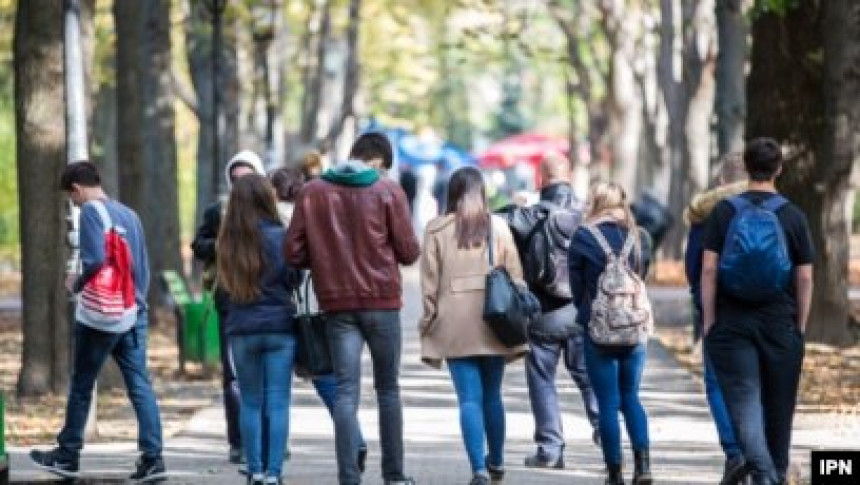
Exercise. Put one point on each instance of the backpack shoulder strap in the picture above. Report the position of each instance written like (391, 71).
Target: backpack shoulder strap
(629, 242)
(104, 215)
(739, 203)
(774, 203)
(598, 236)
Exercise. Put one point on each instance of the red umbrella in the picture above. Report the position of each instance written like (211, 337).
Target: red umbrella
(526, 147)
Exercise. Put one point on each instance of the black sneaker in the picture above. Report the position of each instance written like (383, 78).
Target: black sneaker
(149, 470)
(539, 461)
(401, 481)
(480, 479)
(734, 470)
(236, 455)
(56, 462)
(362, 459)
(497, 472)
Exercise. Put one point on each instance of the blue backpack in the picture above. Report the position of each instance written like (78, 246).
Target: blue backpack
(754, 264)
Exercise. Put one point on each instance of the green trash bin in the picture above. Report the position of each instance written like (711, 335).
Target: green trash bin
(201, 339)
(4, 458)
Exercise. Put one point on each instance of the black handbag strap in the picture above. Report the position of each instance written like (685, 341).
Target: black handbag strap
(306, 300)
(490, 243)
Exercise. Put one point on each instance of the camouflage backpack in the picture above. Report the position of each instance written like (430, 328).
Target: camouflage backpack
(620, 312)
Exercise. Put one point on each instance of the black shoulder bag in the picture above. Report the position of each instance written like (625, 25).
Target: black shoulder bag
(508, 308)
(313, 356)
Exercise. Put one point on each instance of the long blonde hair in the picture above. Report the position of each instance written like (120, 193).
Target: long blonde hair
(608, 200)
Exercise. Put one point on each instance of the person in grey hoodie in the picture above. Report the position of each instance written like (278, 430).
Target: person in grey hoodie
(243, 163)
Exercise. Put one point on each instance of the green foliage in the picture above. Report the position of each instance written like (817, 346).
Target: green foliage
(8, 174)
(779, 7)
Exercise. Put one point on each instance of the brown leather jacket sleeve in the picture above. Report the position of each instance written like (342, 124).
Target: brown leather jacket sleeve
(404, 242)
(296, 244)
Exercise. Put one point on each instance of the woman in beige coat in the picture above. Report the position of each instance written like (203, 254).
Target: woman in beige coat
(454, 266)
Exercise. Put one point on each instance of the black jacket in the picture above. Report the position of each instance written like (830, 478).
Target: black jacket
(558, 314)
(203, 245)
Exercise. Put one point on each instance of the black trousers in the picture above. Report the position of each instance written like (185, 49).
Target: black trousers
(758, 361)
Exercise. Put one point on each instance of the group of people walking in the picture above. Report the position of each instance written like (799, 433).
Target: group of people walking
(349, 231)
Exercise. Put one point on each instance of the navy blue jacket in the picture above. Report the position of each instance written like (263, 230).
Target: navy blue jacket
(693, 262)
(274, 310)
(587, 260)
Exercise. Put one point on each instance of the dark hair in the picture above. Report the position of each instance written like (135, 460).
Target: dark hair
(373, 145)
(288, 182)
(240, 244)
(762, 159)
(82, 173)
(467, 200)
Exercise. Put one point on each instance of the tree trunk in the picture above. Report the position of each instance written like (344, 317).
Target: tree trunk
(804, 90)
(314, 74)
(625, 103)
(104, 152)
(690, 104)
(127, 18)
(40, 129)
(199, 50)
(350, 81)
(731, 76)
(160, 216)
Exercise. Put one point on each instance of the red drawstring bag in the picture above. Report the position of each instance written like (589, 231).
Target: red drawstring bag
(107, 301)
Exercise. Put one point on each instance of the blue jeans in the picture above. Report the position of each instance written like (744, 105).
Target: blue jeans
(92, 348)
(326, 387)
(719, 412)
(478, 382)
(264, 368)
(615, 376)
(229, 386)
(348, 332)
(541, 365)
(758, 363)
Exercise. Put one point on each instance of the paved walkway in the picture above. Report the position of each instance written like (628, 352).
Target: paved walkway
(684, 443)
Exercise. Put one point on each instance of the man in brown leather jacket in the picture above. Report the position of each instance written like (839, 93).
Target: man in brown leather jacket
(352, 229)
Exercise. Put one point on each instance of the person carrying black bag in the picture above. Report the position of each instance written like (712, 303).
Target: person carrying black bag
(455, 264)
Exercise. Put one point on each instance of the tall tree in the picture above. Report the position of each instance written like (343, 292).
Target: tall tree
(146, 140)
(804, 90)
(41, 155)
(315, 42)
(198, 31)
(689, 97)
(350, 80)
(731, 75)
(620, 19)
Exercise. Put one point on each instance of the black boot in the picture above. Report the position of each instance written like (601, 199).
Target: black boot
(613, 475)
(642, 468)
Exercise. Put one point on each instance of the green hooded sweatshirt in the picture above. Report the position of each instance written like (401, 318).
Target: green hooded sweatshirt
(352, 173)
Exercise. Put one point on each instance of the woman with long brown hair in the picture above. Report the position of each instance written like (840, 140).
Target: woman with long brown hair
(454, 265)
(615, 372)
(259, 284)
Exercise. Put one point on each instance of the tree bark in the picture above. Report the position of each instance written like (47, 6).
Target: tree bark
(690, 102)
(804, 90)
(127, 18)
(40, 129)
(624, 100)
(198, 31)
(161, 212)
(731, 76)
(350, 81)
(315, 73)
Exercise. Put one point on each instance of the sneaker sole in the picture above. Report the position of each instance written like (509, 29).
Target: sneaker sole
(154, 478)
(57, 471)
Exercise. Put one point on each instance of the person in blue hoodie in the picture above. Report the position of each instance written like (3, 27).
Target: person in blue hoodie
(258, 283)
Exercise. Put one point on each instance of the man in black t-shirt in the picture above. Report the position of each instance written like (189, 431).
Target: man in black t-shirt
(757, 347)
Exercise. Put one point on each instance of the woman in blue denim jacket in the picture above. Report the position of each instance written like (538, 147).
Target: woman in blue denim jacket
(259, 283)
(615, 372)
